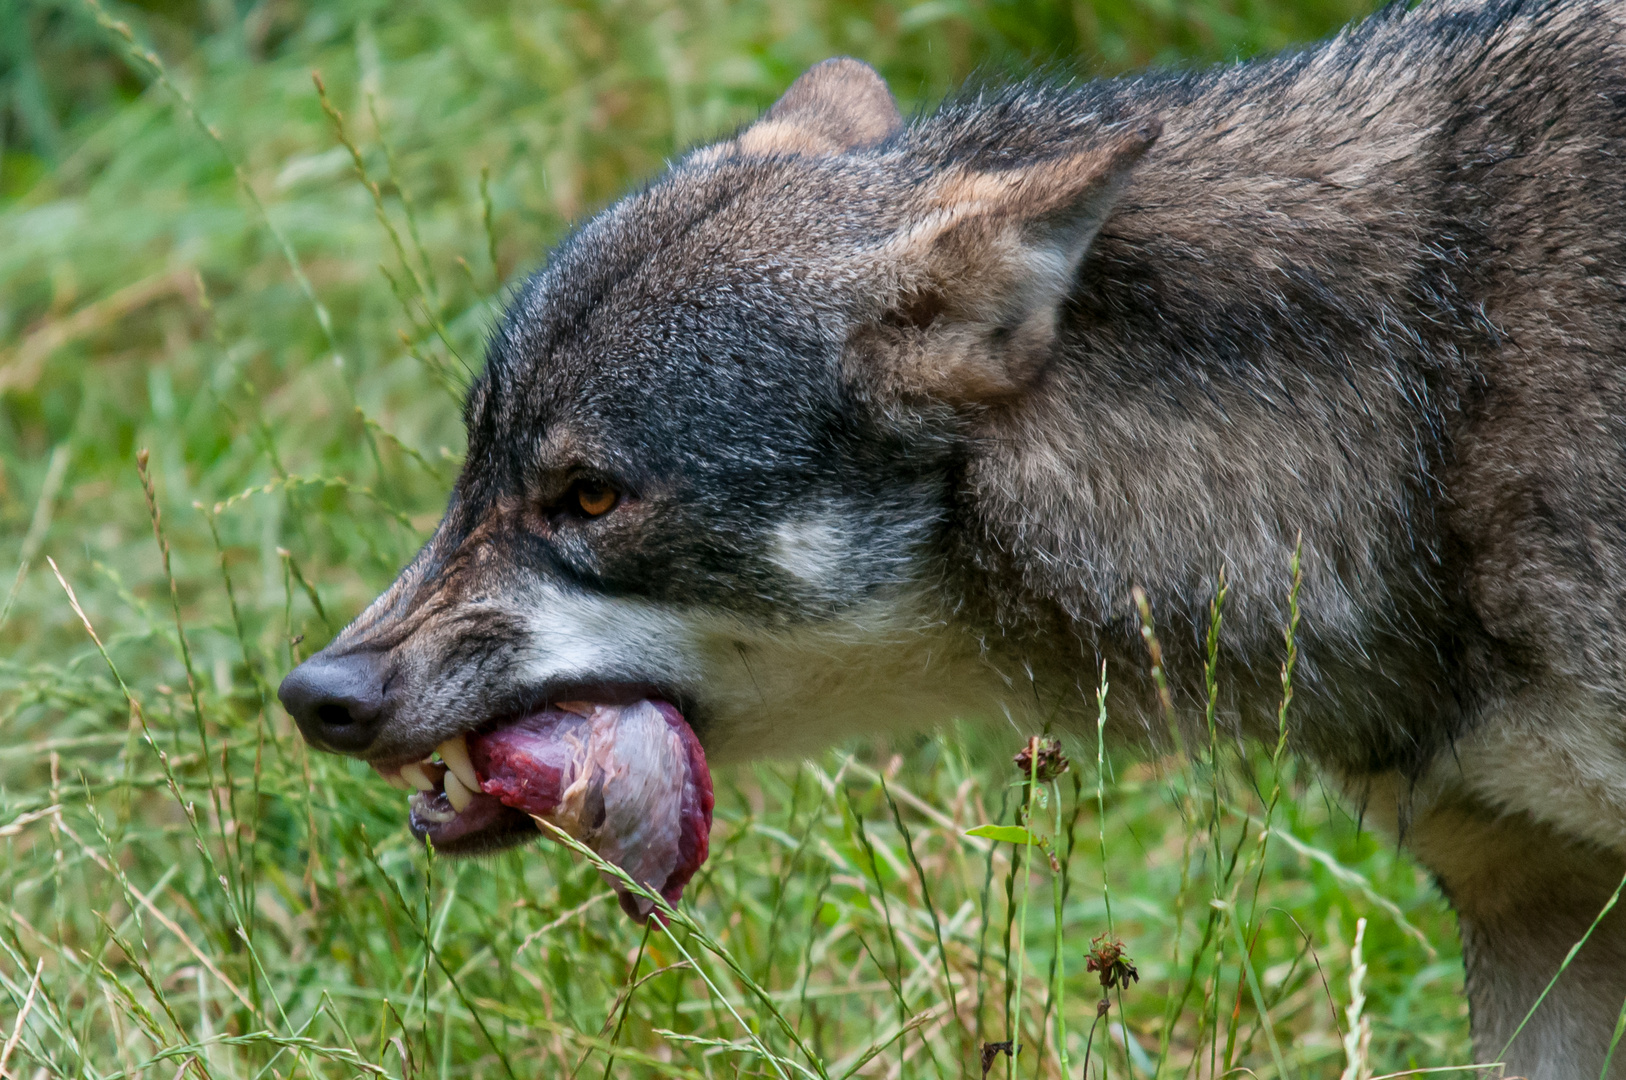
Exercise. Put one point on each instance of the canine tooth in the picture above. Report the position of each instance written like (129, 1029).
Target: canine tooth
(455, 753)
(414, 775)
(397, 781)
(457, 794)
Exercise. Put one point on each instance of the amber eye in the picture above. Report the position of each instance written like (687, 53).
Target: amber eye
(594, 499)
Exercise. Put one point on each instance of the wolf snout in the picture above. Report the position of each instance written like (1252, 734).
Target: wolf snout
(337, 701)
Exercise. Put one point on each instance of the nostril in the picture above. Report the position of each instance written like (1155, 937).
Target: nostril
(337, 701)
(333, 716)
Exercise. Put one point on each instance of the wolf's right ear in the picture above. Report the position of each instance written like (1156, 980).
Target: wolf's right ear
(972, 280)
(837, 106)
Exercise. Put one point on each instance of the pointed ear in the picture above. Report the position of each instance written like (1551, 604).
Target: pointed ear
(979, 271)
(837, 106)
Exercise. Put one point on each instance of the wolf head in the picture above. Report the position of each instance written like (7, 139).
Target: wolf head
(714, 451)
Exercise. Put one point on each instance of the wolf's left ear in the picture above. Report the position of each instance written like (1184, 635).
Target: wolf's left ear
(975, 278)
(837, 106)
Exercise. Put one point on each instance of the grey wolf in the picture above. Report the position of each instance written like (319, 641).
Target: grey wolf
(849, 421)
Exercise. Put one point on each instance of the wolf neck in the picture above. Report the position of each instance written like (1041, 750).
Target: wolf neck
(1266, 342)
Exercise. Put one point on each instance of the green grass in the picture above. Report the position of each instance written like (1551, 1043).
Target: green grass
(189, 264)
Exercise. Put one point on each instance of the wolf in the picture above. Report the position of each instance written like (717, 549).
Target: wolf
(850, 422)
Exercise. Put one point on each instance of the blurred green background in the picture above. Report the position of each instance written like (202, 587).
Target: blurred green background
(191, 264)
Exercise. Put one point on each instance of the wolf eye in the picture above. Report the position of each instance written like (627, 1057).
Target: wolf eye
(594, 499)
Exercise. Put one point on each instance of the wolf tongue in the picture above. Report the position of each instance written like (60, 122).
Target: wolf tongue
(630, 781)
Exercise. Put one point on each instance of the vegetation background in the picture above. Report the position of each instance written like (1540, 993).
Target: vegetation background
(197, 261)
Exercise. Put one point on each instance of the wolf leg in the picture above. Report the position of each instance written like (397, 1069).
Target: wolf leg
(1524, 894)
(1524, 826)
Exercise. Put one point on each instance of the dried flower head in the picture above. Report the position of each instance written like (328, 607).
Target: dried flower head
(992, 1050)
(1052, 762)
(1107, 957)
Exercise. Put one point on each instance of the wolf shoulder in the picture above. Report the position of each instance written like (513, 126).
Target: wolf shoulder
(1424, 220)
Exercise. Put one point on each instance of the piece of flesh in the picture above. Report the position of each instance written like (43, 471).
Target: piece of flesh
(629, 781)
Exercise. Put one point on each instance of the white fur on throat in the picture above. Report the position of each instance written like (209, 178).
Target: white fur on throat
(888, 665)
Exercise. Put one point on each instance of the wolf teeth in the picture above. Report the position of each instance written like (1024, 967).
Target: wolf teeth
(456, 793)
(455, 753)
(414, 775)
(397, 781)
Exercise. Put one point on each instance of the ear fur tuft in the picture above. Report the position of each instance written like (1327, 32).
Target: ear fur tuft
(836, 107)
(980, 269)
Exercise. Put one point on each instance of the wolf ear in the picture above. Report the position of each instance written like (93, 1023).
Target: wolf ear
(978, 272)
(836, 106)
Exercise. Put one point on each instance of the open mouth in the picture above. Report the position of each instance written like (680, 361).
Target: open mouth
(628, 780)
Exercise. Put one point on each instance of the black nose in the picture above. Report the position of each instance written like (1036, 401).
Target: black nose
(337, 701)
